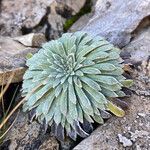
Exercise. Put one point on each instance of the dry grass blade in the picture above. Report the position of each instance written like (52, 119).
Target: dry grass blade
(9, 126)
(6, 86)
(17, 106)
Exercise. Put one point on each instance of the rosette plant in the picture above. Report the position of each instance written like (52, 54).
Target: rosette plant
(72, 80)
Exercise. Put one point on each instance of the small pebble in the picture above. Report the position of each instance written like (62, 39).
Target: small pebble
(125, 141)
(129, 128)
(141, 114)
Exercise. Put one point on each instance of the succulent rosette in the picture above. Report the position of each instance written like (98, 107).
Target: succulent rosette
(71, 81)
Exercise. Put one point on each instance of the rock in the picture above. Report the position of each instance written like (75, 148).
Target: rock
(61, 10)
(139, 52)
(74, 6)
(105, 136)
(29, 136)
(44, 16)
(116, 20)
(49, 144)
(83, 20)
(138, 47)
(141, 114)
(12, 55)
(126, 142)
(31, 40)
(21, 13)
(139, 134)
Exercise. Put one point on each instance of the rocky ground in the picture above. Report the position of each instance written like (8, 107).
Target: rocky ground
(124, 23)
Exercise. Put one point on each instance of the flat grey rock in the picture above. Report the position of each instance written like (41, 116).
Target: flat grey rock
(117, 19)
(13, 52)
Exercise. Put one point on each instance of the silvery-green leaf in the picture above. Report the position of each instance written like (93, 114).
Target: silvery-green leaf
(120, 93)
(97, 55)
(89, 49)
(117, 72)
(30, 74)
(105, 66)
(114, 87)
(39, 110)
(98, 96)
(65, 86)
(63, 120)
(51, 111)
(58, 47)
(72, 95)
(43, 90)
(83, 98)
(87, 110)
(63, 79)
(96, 104)
(80, 113)
(96, 111)
(80, 36)
(79, 73)
(112, 56)
(73, 110)
(63, 104)
(88, 118)
(109, 93)
(104, 79)
(58, 90)
(39, 77)
(57, 116)
(77, 81)
(120, 77)
(105, 48)
(56, 82)
(90, 70)
(72, 49)
(85, 40)
(98, 119)
(91, 83)
(69, 119)
(70, 80)
(67, 127)
(48, 101)
(87, 62)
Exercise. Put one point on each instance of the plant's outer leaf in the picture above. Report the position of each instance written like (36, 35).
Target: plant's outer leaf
(83, 98)
(60, 132)
(105, 66)
(98, 96)
(91, 83)
(72, 95)
(90, 70)
(120, 93)
(73, 134)
(98, 119)
(63, 104)
(115, 110)
(104, 79)
(79, 130)
(127, 83)
(87, 126)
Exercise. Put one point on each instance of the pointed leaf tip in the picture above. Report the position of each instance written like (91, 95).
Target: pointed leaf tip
(127, 83)
(115, 110)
